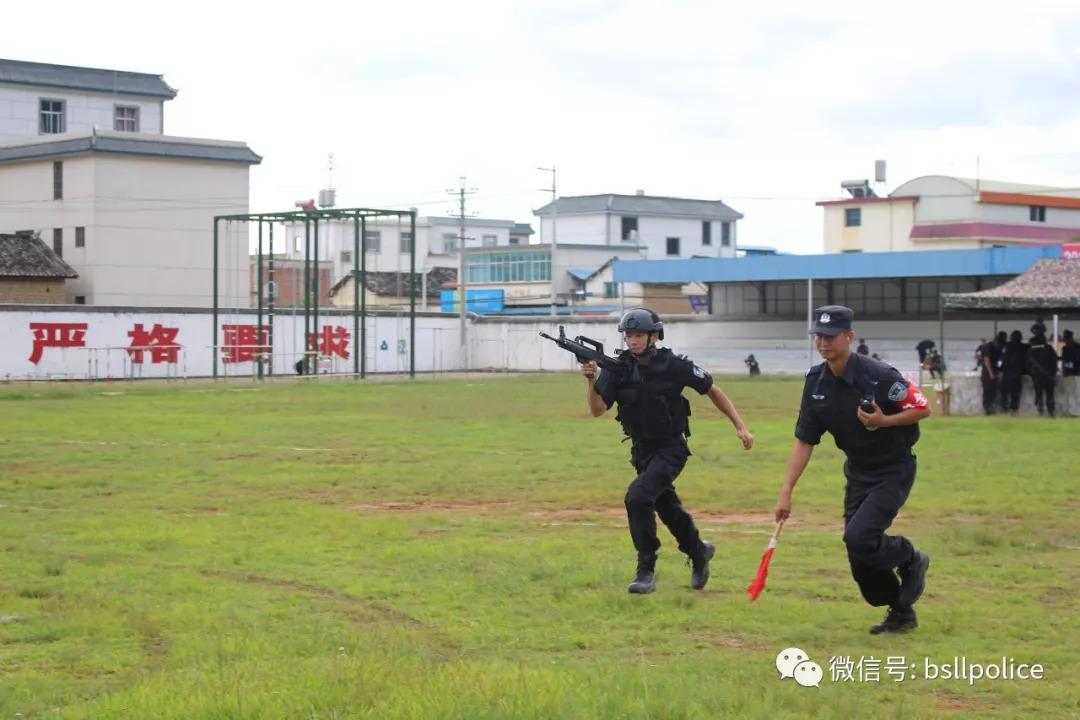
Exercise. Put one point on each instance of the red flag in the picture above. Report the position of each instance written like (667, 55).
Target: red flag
(754, 589)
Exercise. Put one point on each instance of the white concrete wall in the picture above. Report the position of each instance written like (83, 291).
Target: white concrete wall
(494, 343)
(579, 230)
(601, 229)
(20, 106)
(149, 226)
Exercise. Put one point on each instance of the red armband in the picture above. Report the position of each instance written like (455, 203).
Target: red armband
(914, 399)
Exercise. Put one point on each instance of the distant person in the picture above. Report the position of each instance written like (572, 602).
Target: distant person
(923, 348)
(979, 355)
(989, 355)
(752, 363)
(1070, 355)
(862, 349)
(1013, 367)
(1042, 366)
(935, 363)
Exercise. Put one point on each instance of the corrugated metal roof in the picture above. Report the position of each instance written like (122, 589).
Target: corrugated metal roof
(126, 144)
(641, 205)
(26, 256)
(928, 263)
(18, 72)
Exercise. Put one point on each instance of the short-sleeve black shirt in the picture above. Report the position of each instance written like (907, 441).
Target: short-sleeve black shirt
(682, 371)
(830, 404)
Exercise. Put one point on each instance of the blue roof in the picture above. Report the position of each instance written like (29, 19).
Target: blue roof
(921, 263)
(559, 310)
(582, 273)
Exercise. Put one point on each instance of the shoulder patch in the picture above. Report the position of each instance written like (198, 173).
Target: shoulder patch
(897, 391)
(699, 373)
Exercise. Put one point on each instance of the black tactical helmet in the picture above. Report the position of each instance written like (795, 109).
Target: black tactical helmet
(641, 320)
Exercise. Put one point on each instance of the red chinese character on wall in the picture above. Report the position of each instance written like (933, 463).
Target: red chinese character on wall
(159, 340)
(333, 340)
(56, 335)
(242, 342)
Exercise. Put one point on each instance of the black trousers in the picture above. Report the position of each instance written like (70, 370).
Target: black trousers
(871, 500)
(989, 392)
(1044, 385)
(1011, 383)
(652, 493)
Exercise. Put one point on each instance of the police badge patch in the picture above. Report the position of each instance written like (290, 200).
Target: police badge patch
(698, 372)
(897, 391)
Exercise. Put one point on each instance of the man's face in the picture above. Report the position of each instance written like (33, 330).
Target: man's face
(637, 342)
(831, 347)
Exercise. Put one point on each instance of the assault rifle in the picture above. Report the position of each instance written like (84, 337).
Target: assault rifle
(585, 350)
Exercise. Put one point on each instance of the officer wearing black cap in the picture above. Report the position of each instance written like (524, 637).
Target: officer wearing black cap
(872, 413)
(655, 416)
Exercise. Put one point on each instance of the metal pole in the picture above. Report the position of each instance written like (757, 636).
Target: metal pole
(307, 297)
(259, 303)
(809, 321)
(1055, 332)
(462, 283)
(356, 293)
(362, 289)
(270, 293)
(213, 336)
(412, 292)
(941, 329)
(315, 323)
(554, 244)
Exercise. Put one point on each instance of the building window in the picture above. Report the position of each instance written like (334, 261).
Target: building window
(1037, 213)
(52, 117)
(629, 229)
(449, 243)
(515, 241)
(58, 180)
(80, 299)
(511, 266)
(706, 232)
(372, 240)
(126, 118)
(80, 237)
(405, 243)
(346, 256)
(611, 290)
(852, 217)
(673, 246)
(725, 233)
(58, 241)
(490, 240)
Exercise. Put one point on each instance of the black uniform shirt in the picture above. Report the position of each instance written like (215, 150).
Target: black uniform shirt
(830, 404)
(683, 372)
(993, 351)
(1070, 359)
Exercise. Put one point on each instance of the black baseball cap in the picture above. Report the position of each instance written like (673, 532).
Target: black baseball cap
(832, 320)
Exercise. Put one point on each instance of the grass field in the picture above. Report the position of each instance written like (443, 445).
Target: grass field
(457, 549)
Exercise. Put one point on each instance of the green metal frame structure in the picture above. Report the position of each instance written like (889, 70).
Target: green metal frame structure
(311, 219)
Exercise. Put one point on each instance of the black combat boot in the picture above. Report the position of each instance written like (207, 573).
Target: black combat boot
(699, 561)
(912, 579)
(898, 619)
(645, 580)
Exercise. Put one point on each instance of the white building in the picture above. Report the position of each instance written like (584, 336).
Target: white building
(938, 212)
(85, 165)
(665, 227)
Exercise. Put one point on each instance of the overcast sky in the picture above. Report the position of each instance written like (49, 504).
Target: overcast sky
(765, 105)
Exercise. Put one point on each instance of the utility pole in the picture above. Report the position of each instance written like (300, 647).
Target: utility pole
(461, 192)
(554, 235)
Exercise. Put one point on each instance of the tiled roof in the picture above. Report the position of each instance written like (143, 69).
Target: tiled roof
(26, 256)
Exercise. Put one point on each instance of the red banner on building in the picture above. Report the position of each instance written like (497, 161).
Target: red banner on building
(1070, 251)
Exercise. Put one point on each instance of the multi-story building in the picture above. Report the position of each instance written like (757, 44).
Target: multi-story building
(938, 212)
(84, 163)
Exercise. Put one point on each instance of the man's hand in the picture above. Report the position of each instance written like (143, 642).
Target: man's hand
(875, 419)
(783, 507)
(588, 369)
(745, 436)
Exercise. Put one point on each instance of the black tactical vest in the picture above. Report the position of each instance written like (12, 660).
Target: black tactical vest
(651, 405)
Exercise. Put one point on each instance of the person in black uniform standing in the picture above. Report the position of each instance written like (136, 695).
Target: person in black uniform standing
(655, 416)
(872, 412)
(1013, 367)
(989, 362)
(1042, 366)
(1070, 355)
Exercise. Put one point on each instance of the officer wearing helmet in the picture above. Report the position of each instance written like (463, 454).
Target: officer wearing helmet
(655, 417)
